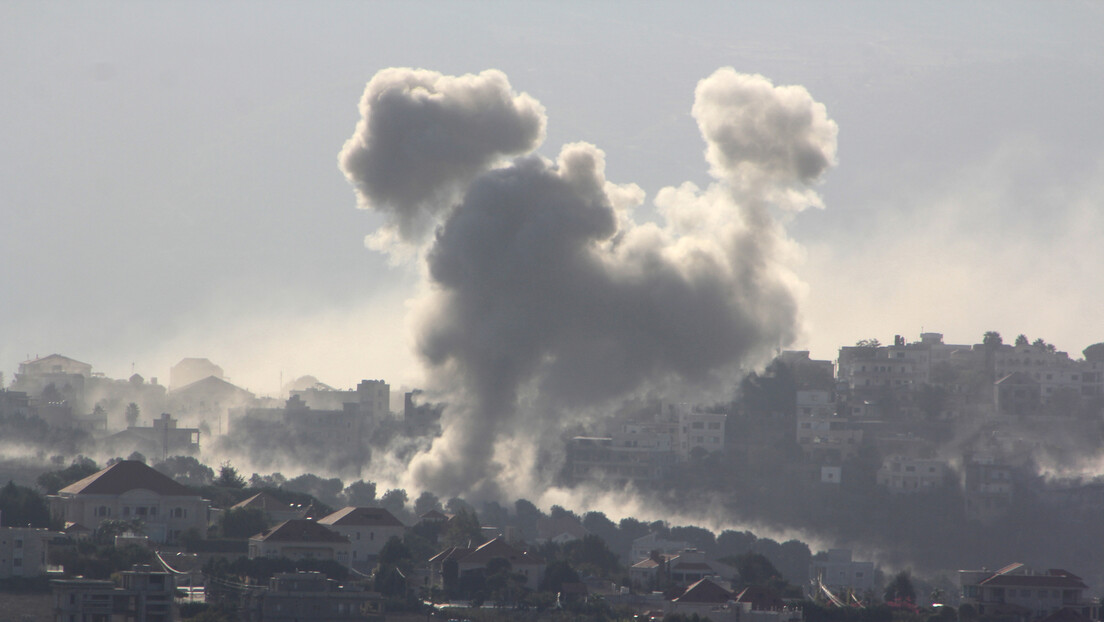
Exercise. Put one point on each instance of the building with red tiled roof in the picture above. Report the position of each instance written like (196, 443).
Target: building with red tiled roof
(476, 559)
(131, 490)
(275, 510)
(300, 538)
(367, 529)
(1018, 592)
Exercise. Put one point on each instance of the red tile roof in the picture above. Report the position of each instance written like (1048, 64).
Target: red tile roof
(262, 501)
(299, 530)
(125, 476)
(1052, 579)
(370, 517)
(705, 591)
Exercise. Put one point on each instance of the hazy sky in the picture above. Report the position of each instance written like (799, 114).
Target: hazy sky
(170, 187)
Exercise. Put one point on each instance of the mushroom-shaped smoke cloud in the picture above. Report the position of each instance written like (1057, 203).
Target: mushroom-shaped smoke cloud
(547, 299)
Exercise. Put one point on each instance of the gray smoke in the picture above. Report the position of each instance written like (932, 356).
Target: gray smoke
(549, 300)
(424, 136)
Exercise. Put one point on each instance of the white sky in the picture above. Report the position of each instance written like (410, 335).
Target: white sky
(169, 183)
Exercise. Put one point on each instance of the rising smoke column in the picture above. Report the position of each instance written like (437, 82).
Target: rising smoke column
(546, 298)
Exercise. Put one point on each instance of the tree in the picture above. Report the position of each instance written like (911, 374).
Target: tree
(900, 589)
(53, 481)
(1094, 353)
(991, 339)
(394, 500)
(425, 502)
(228, 477)
(186, 470)
(131, 414)
(21, 506)
(1021, 340)
(868, 343)
(360, 493)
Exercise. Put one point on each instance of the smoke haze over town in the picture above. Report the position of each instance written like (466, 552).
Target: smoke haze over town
(478, 251)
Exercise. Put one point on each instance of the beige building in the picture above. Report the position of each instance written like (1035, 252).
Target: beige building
(24, 551)
(130, 490)
(367, 530)
(300, 538)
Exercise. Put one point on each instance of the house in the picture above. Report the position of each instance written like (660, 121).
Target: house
(367, 529)
(560, 530)
(207, 398)
(309, 597)
(300, 538)
(145, 594)
(163, 438)
(904, 475)
(65, 376)
(707, 599)
(129, 490)
(1017, 592)
(837, 571)
(644, 546)
(683, 568)
(468, 560)
(190, 370)
(1016, 394)
(275, 511)
(24, 551)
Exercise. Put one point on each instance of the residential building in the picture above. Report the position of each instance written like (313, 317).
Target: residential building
(275, 511)
(560, 530)
(367, 530)
(902, 474)
(309, 597)
(987, 488)
(300, 538)
(469, 560)
(145, 595)
(838, 572)
(190, 370)
(24, 551)
(130, 490)
(161, 439)
(699, 431)
(1016, 592)
(371, 397)
(644, 546)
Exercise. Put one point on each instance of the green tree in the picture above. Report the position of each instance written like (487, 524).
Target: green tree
(394, 501)
(991, 339)
(228, 477)
(53, 481)
(1021, 340)
(425, 502)
(186, 470)
(21, 506)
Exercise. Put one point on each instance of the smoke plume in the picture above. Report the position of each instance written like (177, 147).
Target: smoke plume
(424, 136)
(546, 299)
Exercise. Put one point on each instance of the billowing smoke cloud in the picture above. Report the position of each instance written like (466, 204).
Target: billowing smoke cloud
(424, 136)
(547, 299)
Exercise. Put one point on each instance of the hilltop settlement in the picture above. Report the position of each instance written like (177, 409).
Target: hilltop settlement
(913, 480)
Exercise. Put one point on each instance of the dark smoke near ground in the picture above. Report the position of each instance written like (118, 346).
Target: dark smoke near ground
(546, 301)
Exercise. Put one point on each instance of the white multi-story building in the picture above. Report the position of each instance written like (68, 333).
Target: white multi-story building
(699, 430)
(24, 551)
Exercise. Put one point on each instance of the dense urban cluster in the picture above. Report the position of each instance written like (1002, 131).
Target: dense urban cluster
(890, 469)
